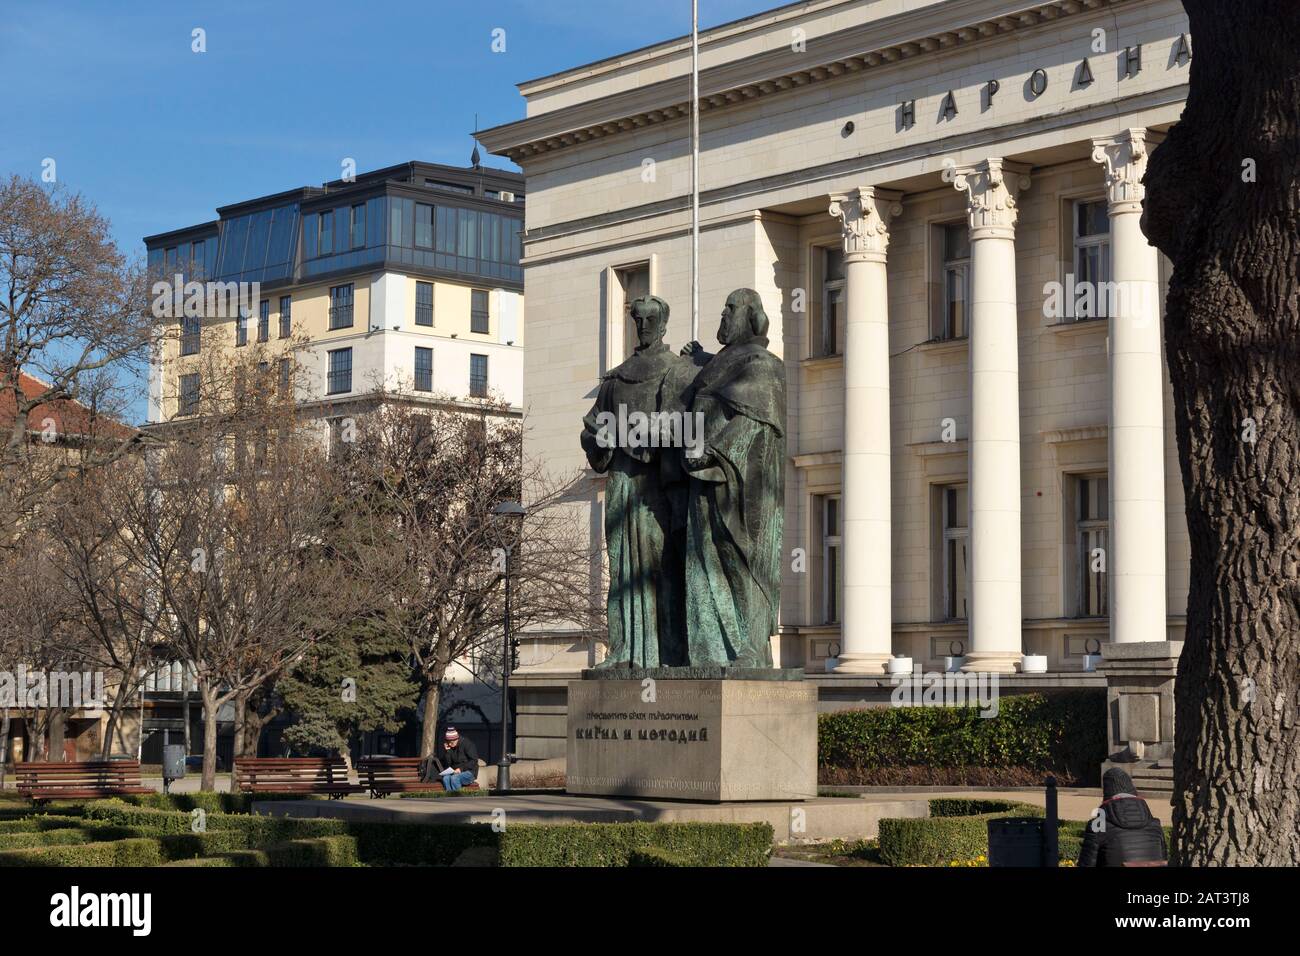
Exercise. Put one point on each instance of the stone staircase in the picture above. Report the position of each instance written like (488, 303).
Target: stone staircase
(1154, 779)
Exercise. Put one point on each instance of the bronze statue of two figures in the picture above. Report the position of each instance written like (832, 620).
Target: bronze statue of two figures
(694, 447)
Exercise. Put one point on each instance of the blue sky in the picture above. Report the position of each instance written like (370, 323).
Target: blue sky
(159, 136)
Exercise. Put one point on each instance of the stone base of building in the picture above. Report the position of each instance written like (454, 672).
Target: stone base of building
(711, 740)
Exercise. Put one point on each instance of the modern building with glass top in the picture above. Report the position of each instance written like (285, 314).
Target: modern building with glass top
(405, 278)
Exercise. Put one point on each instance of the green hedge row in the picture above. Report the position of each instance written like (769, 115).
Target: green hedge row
(283, 838)
(612, 844)
(957, 829)
(1060, 733)
(135, 851)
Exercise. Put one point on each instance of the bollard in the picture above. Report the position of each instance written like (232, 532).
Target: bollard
(1051, 827)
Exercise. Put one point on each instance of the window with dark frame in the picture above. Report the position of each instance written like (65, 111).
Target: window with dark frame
(286, 321)
(424, 303)
(1092, 529)
(358, 226)
(826, 340)
(264, 320)
(423, 225)
(478, 311)
(241, 327)
(478, 376)
(954, 516)
(339, 378)
(955, 320)
(341, 306)
(189, 393)
(284, 370)
(191, 334)
(832, 565)
(423, 369)
(1091, 260)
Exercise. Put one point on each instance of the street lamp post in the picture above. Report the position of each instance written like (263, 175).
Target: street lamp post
(507, 509)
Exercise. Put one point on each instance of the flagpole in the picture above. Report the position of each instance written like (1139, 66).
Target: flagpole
(695, 170)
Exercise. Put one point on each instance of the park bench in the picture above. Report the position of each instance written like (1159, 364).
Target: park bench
(41, 781)
(327, 775)
(384, 775)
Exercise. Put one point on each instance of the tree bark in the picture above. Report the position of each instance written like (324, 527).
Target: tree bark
(208, 780)
(1232, 338)
(429, 731)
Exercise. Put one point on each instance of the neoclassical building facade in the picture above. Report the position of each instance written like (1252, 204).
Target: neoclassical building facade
(939, 203)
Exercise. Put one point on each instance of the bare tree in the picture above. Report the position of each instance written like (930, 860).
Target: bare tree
(1221, 204)
(120, 618)
(230, 531)
(73, 321)
(423, 480)
(39, 639)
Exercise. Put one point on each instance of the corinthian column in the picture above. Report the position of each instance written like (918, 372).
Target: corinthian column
(865, 621)
(991, 190)
(1136, 562)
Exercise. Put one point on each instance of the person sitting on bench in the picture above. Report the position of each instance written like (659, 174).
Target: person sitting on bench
(456, 763)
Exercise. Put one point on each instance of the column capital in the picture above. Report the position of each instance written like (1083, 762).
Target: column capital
(864, 213)
(1125, 157)
(992, 188)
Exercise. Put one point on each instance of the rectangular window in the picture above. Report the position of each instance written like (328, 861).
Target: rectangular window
(326, 242)
(1091, 293)
(286, 320)
(191, 334)
(358, 225)
(241, 327)
(424, 225)
(955, 320)
(478, 376)
(832, 562)
(189, 394)
(1092, 527)
(284, 370)
(340, 372)
(826, 340)
(339, 436)
(423, 369)
(955, 559)
(264, 320)
(478, 311)
(424, 303)
(341, 306)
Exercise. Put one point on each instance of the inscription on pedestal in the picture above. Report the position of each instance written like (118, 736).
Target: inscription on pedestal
(695, 740)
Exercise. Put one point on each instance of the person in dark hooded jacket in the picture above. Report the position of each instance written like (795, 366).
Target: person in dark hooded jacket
(1124, 832)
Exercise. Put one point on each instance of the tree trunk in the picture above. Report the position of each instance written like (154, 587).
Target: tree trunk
(241, 716)
(429, 732)
(208, 781)
(114, 718)
(1222, 204)
(4, 745)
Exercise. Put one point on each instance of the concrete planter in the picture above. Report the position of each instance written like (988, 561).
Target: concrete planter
(899, 665)
(1034, 664)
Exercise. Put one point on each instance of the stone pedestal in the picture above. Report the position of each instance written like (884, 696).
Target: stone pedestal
(711, 740)
(1140, 699)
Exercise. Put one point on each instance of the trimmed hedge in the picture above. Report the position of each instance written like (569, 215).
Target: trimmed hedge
(612, 844)
(244, 840)
(655, 856)
(136, 851)
(1062, 733)
(958, 830)
(209, 802)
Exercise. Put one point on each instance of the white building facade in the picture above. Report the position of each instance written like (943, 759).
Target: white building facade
(939, 203)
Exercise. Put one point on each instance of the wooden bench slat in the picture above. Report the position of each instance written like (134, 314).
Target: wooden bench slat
(44, 780)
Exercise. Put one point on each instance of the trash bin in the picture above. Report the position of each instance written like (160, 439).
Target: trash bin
(173, 764)
(1016, 841)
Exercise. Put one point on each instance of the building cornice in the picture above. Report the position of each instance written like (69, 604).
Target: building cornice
(877, 44)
